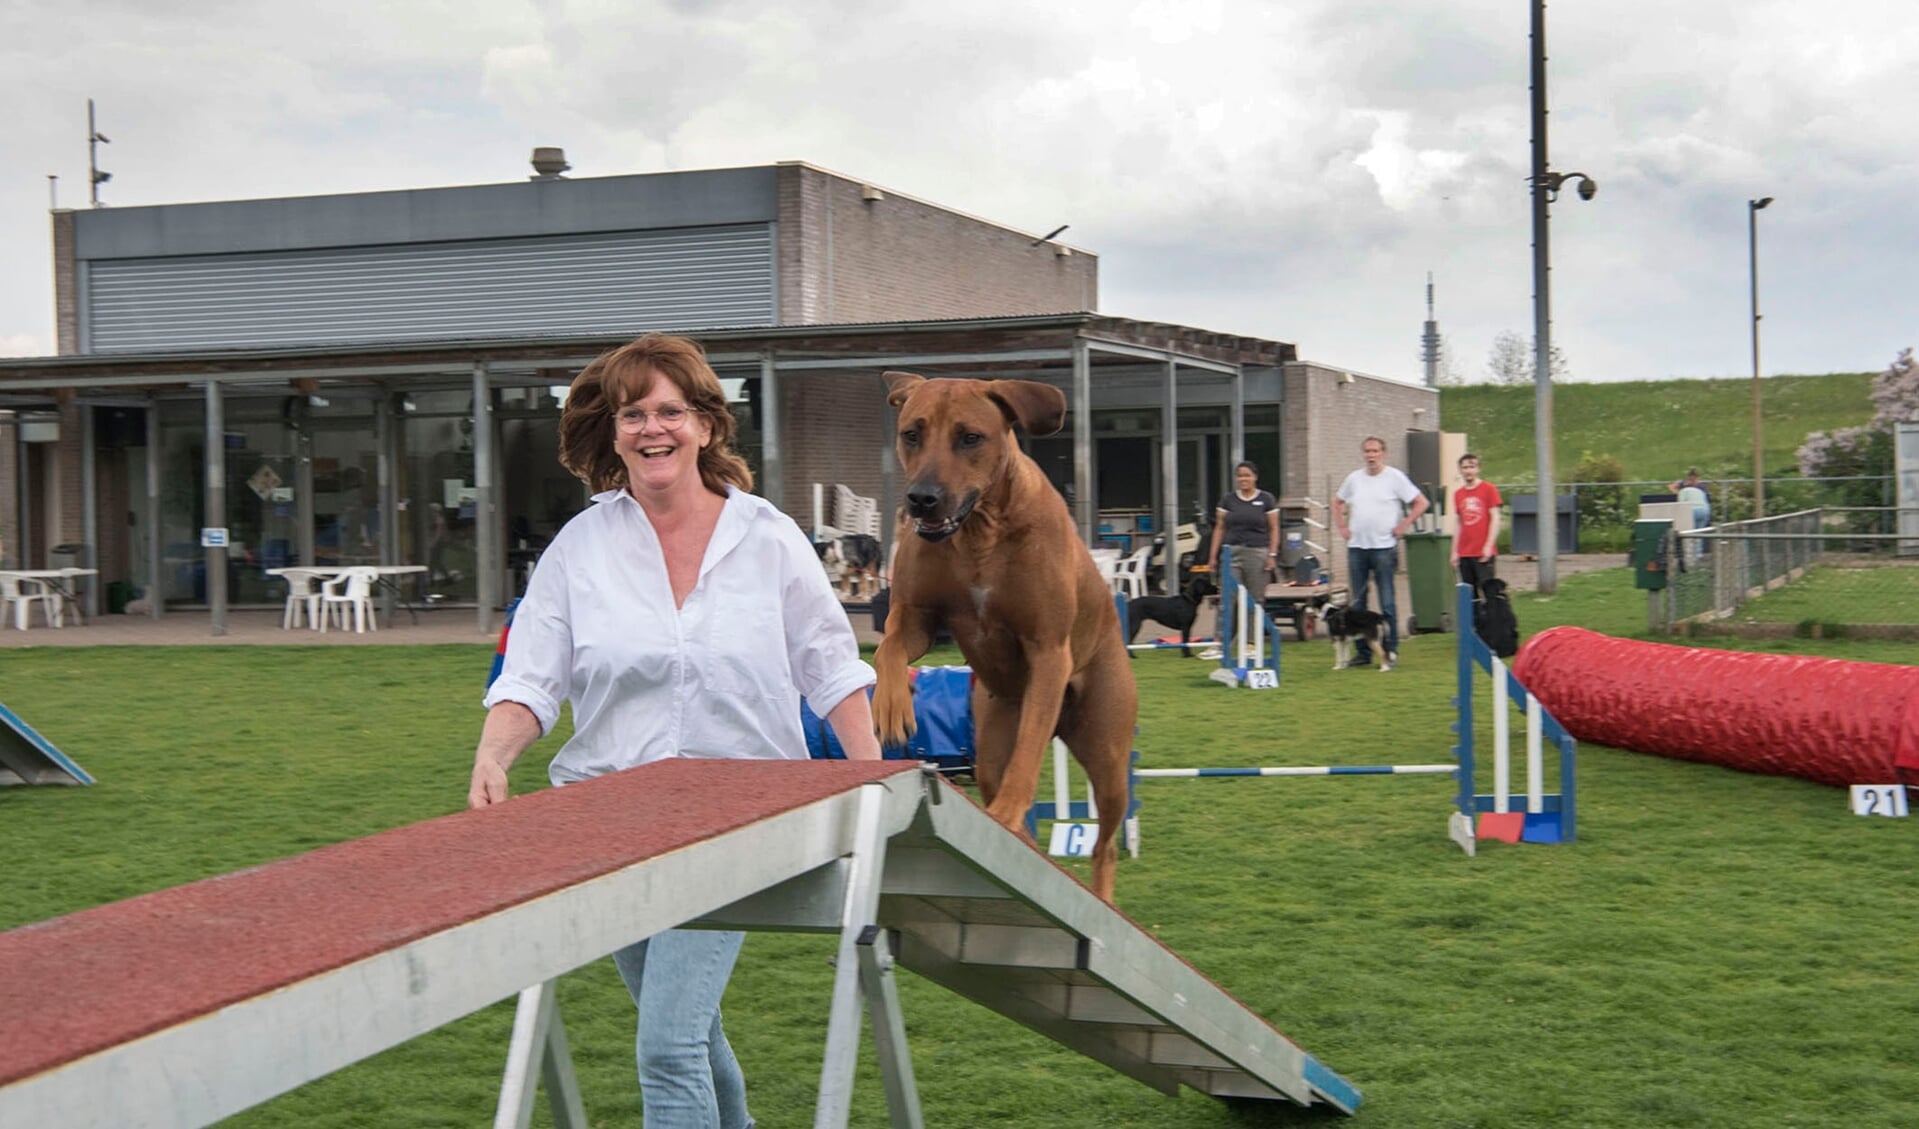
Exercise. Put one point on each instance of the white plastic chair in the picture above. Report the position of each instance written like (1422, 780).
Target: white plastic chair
(18, 594)
(1129, 575)
(1108, 562)
(303, 596)
(352, 589)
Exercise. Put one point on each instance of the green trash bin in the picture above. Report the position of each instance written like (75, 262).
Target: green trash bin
(1650, 558)
(119, 595)
(1429, 579)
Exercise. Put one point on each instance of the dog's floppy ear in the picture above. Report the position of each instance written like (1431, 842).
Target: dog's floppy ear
(1039, 408)
(900, 385)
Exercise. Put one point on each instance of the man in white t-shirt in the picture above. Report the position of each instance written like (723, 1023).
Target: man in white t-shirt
(1374, 507)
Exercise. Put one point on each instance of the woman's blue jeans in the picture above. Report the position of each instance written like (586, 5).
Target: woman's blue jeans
(689, 1078)
(1377, 565)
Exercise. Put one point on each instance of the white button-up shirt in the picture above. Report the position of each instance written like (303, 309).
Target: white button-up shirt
(720, 676)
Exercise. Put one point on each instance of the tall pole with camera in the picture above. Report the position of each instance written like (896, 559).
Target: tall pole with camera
(1758, 450)
(1545, 189)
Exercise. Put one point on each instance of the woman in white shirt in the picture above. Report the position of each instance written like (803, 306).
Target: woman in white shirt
(682, 617)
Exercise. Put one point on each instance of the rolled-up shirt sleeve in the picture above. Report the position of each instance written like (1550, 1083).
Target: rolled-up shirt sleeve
(821, 650)
(538, 669)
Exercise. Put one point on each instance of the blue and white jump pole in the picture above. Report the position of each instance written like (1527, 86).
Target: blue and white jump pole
(1546, 817)
(1248, 639)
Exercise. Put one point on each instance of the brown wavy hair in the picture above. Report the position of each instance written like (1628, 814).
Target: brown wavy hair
(619, 377)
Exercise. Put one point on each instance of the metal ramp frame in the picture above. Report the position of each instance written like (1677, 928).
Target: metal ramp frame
(28, 758)
(980, 912)
(254, 983)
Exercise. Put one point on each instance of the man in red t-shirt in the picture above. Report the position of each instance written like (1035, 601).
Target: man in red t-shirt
(1476, 503)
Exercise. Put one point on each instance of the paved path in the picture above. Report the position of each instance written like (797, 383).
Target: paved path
(245, 628)
(459, 625)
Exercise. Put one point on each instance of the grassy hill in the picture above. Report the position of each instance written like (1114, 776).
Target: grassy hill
(1656, 429)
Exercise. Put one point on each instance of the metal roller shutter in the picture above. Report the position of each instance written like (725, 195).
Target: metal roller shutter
(610, 282)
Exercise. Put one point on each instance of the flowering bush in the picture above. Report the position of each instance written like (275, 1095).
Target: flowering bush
(1853, 451)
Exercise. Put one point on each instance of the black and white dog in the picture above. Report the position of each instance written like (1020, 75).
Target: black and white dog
(1177, 612)
(852, 561)
(1346, 626)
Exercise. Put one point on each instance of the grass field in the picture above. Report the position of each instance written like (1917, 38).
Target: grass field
(1839, 595)
(1718, 949)
(1656, 429)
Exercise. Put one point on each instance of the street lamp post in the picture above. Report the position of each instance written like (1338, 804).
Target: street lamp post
(1758, 450)
(1545, 189)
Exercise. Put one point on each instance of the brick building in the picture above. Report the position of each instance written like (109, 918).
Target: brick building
(376, 377)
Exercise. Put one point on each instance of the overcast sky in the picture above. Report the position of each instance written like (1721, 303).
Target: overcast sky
(1286, 170)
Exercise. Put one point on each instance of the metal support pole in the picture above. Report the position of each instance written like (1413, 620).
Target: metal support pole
(772, 450)
(1238, 440)
(386, 423)
(1169, 480)
(21, 511)
(89, 510)
(1083, 500)
(486, 534)
(1548, 540)
(216, 499)
(889, 495)
(867, 864)
(538, 1050)
(303, 483)
(1758, 446)
(156, 602)
(889, 1028)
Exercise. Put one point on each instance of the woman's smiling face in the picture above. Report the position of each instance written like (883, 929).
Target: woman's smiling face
(659, 437)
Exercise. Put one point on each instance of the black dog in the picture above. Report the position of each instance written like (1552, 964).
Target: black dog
(1347, 626)
(1176, 612)
(1493, 619)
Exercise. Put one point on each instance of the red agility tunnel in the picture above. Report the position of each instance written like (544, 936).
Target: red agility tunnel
(1825, 720)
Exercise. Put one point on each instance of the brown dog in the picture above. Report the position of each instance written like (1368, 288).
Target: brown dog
(987, 547)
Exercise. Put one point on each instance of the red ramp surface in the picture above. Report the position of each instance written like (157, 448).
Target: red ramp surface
(81, 983)
(1826, 720)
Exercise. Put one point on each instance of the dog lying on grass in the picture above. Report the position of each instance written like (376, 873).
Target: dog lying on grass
(1346, 626)
(1175, 612)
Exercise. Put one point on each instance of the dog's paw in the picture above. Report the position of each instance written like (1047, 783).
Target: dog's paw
(893, 712)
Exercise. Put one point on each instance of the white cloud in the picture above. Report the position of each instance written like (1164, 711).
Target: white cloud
(1285, 170)
(24, 345)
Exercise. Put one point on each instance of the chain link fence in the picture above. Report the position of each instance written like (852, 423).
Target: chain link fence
(1606, 509)
(1823, 572)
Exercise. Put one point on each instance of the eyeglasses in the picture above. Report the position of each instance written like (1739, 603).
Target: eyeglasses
(672, 417)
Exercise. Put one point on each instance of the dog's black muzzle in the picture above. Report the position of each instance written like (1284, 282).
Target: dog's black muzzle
(925, 500)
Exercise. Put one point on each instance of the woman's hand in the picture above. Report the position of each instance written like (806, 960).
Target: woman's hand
(488, 786)
(510, 728)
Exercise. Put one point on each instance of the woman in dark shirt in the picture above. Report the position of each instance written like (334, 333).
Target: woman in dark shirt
(1248, 521)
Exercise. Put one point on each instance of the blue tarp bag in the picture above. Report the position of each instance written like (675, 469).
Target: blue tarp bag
(943, 704)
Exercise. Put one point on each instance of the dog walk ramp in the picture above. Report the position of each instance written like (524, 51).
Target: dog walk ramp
(185, 1006)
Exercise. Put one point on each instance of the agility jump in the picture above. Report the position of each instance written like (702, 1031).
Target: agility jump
(1249, 639)
(1547, 817)
(1544, 818)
